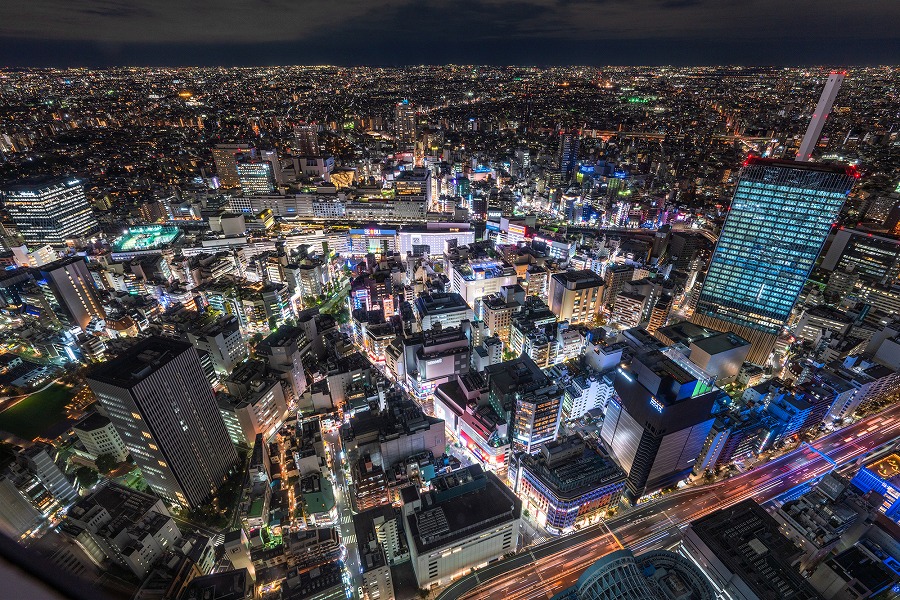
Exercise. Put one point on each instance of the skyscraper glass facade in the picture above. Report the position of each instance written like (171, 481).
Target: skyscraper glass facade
(50, 211)
(256, 177)
(779, 218)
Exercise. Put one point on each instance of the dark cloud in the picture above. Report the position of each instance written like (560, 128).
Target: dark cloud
(114, 9)
(101, 32)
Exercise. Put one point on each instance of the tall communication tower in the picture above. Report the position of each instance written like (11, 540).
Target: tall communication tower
(823, 108)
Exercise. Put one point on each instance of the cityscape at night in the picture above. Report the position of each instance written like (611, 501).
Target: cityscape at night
(447, 332)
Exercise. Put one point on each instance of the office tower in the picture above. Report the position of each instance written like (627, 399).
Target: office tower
(49, 210)
(160, 402)
(567, 155)
(575, 296)
(780, 216)
(271, 157)
(415, 183)
(256, 177)
(654, 575)
(523, 158)
(616, 278)
(823, 108)
(18, 516)
(221, 339)
(875, 258)
(69, 288)
(306, 140)
(405, 123)
(657, 422)
(226, 164)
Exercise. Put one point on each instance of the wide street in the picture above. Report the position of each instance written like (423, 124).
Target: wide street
(550, 567)
(344, 507)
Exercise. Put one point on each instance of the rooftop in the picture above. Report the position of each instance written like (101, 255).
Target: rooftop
(145, 237)
(887, 468)
(441, 523)
(139, 361)
(582, 469)
(748, 541)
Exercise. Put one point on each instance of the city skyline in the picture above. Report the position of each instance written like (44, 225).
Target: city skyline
(449, 332)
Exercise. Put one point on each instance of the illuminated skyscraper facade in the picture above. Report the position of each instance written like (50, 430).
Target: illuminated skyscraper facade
(405, 123)
(256, 176)
(50, 211)
(568, 153)
(779, 218)
(226, 163)
(306, 140)
(160, 402)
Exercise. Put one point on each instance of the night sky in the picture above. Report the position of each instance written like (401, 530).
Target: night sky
(398, 32)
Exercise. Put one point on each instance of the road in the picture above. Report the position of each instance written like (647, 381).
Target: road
(344, 505)
(555, 565)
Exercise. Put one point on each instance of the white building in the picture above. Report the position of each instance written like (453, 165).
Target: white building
(474, 279)
(468, 520)
(98, 436)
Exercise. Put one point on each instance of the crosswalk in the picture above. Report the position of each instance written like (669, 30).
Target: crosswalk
(346, 519)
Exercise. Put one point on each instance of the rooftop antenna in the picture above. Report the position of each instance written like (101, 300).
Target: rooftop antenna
(823, 108)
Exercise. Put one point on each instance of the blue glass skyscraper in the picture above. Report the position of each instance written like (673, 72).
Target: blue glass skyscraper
(780, 216)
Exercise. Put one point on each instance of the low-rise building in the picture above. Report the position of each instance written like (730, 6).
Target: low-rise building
(742, 551)
(568, 482)
(123, 526)
(468, 520)
(98, 436)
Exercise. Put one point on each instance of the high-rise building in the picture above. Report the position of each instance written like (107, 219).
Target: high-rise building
(39, 460)
(69, 288)
(18, 516)
(875, 258)
(781, 213)
(575, 296)
(528, 399)
(659, 419)
(49, 210)
(256, 177)
(405, 123)
(226, 163)
(271, 157)
(160, 402)
(567, 155)
(817, 123)
(306, 140)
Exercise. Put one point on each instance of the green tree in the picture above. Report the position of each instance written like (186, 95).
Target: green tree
(105, 463)
(86, 476)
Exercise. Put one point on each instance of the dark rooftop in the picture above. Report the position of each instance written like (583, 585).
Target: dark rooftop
(747, 540)
(139, 361)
